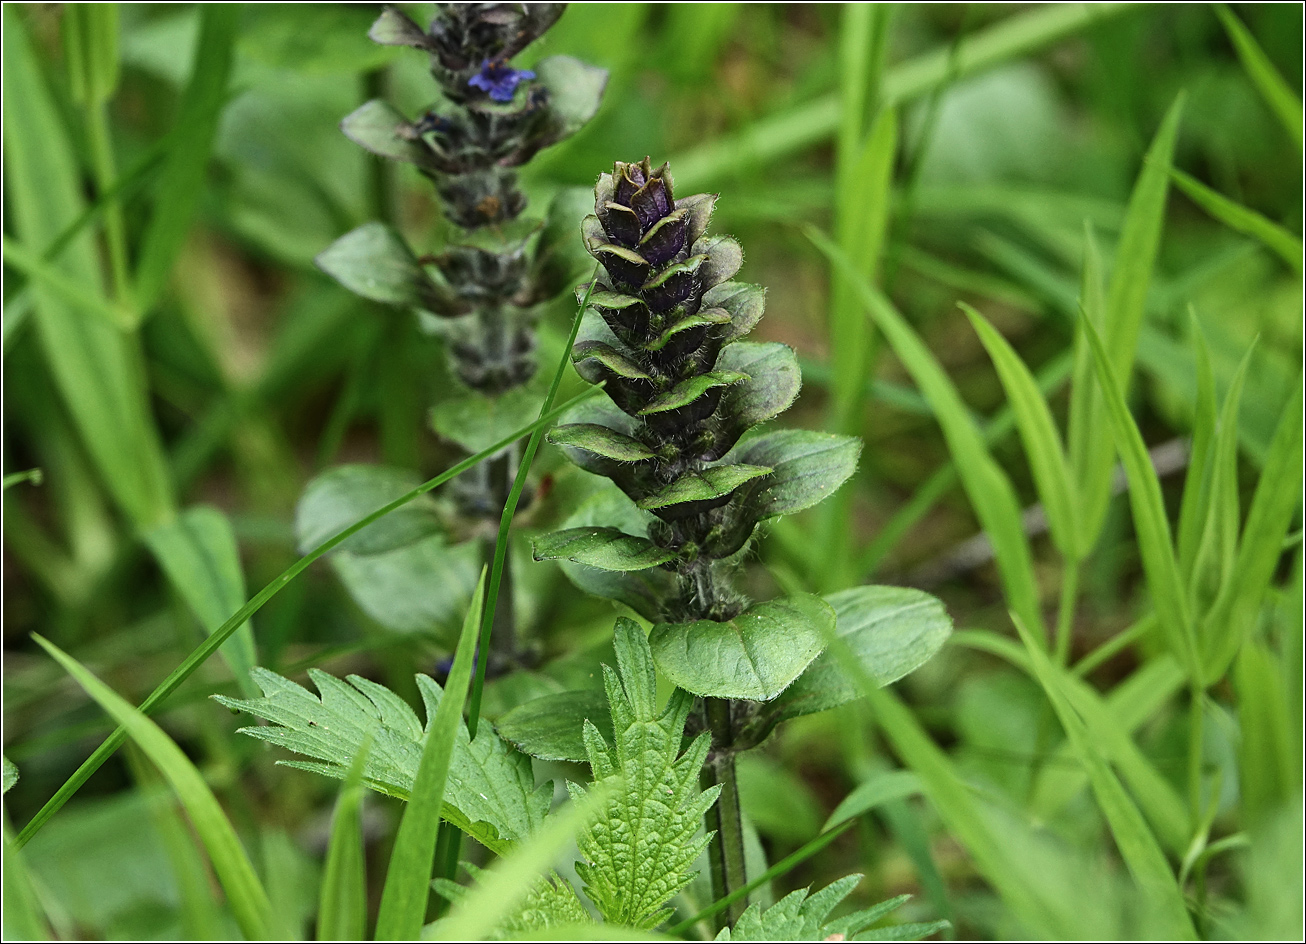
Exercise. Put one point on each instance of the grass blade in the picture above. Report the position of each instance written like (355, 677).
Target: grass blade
(1193, 507)
(94, 366)
(1240, 219)
(1276, 92)
(206, 649)
(182, 179)
(503, 886)
(1136, 842)
(342, 905)
(1277, 497)
(198, 553)
(408, 879)
(776, 136)
(510, 509)
(1150, 523)
(245, 894)
(1123, 314)
(1039, 436)
(987, 486)
(23, 919)
(62, 286)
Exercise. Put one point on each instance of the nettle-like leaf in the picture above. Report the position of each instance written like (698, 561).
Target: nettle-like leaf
(641, 850)
(551, 903)
(490, 794)
(802, 917)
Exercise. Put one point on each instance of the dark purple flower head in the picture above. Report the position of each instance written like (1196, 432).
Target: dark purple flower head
(499, 79)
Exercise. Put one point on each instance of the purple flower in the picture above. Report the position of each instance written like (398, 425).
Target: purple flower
(499, 79)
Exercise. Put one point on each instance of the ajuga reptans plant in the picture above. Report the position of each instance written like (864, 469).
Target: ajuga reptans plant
(480, 291)
(665, 334)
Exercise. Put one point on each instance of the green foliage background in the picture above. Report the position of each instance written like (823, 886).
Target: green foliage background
(182, 355)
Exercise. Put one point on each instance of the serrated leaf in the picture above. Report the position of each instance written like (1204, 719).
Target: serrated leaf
(490, 792)
(380, 129)
(551, 903)
(601, 441)
(892, 631)
(604, 548)
(687, 391)
(755, 656)
(575, 91)
(710, 485)
(550, 727)
(338, 497)
(772, 383)
(806, 468)
(375, 262)
(640, 851)
(801, 916)
(742, 301)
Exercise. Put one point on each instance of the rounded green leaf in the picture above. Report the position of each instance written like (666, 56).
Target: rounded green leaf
(340, 496)
(687, 391)
(709, 485)
(892, 631)
(550, 727)
(755, 656)
(575, 90)
(601, 441)
(807, 467)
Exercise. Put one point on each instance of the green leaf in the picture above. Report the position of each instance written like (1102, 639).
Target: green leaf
(551, 904)
(395, 588)
(551, 727)
(806, 468)
(1266, 774)
(1137, 845)
(601, 441)
(987, 486)
(10, 774)
(560, 261)
(23, 920)
(245, 894)
(742, 301)
(770, 386)
(408, 877)
(1150, 522)
(756, 655)
(1277, 497)
(90, 35)
(1194, 507)
(1276, 92)
(724, 257)
(687, 391)
(575, 92)
(703, 317)
(510, 882)
(342, 902)
(474, 420)
(710, 485)
(604, 548)
(198, 553)
(640, 850)
(800, 916)
(374, 261)
(890, 631)
(1240, 219)
(380, 129)
(340, 496)
(1123, 309)
(181, 181)
(93, 364)
(643, 591)
(490, 793)
(1039, 436)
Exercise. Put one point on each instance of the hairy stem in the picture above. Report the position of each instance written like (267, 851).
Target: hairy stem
(727, 850)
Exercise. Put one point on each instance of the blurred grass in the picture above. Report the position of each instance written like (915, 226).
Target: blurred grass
(955, 154)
